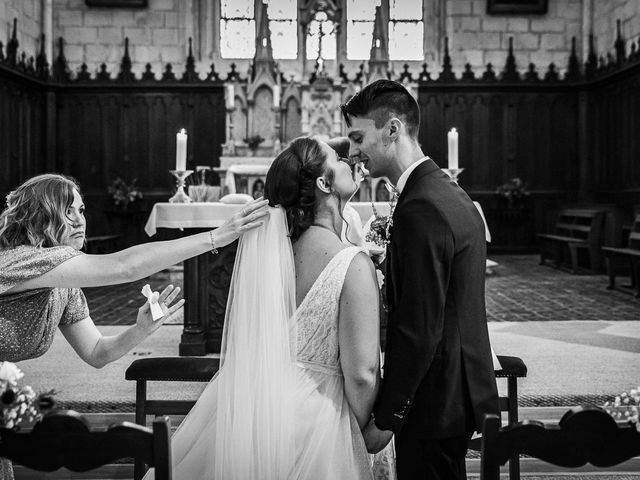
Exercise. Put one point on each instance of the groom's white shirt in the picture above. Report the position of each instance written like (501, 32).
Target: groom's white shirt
(402, 181)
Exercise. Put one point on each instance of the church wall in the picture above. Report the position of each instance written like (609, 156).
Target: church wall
(606, 13)
(157, 34)
(479, 38)
(29, 15)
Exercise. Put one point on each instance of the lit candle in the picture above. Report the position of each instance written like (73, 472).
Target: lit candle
(181, 150)
(452, 138)
(276, 96)
(231, 100)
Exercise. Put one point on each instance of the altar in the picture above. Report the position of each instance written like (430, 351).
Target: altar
(207, 277)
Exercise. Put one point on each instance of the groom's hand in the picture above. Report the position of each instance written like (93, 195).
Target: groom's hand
(374, 438)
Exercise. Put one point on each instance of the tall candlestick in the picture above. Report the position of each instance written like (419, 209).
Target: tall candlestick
(231, 100)
(452, 138)
(181, 150)
(276, 96)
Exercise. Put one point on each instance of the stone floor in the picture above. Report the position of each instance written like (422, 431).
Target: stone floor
(581, 344)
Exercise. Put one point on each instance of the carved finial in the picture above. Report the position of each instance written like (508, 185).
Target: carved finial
(148, 75)
(489, 75)
(61, 71)
(619, 45)
(168, 75)
(510, 73)
(103, 75)
(573, 70)
(405, 76)
(532, 74)
(190, 74)
(126, 74)
(552, 74)
(591, 67)
(233, 75)
(342, 75)
(424, 74)
(213, 75)
(468, 75)
(42, 66)
(447, 74)
(83, 74)
(359, 74)
(12, 46)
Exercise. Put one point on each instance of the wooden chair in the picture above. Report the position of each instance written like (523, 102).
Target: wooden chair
(166, 369)
(63, 439)
(583, 435)
(630, 255)
(512, 369)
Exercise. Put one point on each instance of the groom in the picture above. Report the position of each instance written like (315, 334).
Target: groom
(438, 380)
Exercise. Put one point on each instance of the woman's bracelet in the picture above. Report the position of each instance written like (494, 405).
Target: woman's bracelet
(214, 250)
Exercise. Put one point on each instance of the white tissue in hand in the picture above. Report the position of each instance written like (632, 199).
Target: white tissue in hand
(156, 309)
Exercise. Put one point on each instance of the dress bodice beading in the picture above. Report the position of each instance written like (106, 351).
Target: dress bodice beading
(316, 318)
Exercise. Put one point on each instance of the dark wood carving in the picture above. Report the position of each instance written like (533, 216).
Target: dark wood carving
(63, 439)
(583, 435)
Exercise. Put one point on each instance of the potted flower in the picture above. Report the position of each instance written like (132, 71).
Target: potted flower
(514, 191)
(124, 193)
(253, 143)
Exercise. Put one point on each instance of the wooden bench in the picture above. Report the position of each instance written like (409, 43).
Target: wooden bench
(102, 244)
(630, 254)
(202, 369)
(576, 229)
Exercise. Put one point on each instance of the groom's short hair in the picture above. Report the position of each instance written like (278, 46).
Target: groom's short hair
(381, 100)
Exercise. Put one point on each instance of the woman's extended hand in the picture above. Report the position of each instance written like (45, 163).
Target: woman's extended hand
(246, 219)
(145, 321)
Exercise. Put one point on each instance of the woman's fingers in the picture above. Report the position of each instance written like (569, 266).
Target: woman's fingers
(249, 226)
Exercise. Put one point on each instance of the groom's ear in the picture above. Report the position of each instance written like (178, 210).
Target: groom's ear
(395, 126)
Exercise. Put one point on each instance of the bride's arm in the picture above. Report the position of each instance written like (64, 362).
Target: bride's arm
(142, 260)
(359, 337)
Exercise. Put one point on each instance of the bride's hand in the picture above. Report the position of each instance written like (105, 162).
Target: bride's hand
(247, 218)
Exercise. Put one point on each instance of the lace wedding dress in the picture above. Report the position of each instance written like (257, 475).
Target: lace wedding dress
(297, 425)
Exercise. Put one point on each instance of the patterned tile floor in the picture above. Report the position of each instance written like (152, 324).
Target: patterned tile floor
(519, 290)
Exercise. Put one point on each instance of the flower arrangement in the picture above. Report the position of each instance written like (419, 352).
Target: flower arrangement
(254, 141)
(513, 190)
(123, 194)
(378, 231)
(17, 403)
(626, 407)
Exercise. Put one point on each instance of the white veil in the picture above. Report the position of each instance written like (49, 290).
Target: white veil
(254, 431)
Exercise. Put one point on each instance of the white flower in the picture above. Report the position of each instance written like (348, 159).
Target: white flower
(9, 424)
(9, 372)
(380, 276)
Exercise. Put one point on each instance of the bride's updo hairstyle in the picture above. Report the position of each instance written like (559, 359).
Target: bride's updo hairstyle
(291, 182)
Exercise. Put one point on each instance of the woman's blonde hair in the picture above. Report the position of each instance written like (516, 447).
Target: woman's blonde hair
(36, 212)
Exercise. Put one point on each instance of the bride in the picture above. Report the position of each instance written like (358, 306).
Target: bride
(300, 356)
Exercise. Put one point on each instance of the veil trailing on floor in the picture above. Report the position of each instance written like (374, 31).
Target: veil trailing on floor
(254, 431)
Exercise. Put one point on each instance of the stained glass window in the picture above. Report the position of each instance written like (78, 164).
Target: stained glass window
(237, 29)
(284, 28)
(328, 37)
(360, 16)
(406, 30)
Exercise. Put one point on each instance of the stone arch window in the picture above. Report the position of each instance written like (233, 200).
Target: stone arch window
(237, 29)
(360, 16)
(406, 30)
(283, 23)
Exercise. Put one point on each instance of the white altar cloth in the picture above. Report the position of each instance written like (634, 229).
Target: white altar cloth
(212, 215)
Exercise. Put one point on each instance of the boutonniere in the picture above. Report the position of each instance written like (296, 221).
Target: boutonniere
(380, 229)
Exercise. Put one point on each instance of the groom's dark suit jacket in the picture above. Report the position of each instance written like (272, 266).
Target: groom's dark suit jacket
(438, 374)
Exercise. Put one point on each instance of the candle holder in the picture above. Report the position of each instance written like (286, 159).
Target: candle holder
(180, 196)
(453, 173)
